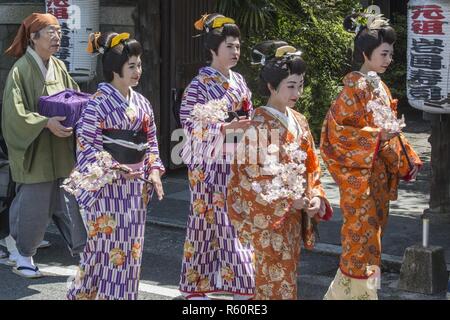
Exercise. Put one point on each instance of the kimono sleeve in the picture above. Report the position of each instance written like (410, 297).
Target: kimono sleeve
(89, 143)
(313, 174)
(20, 126)
(347, 139)
(153, 161)
(397, 153)
(202, 140)
(398, 158)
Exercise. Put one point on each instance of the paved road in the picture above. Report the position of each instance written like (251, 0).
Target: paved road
(160, 272)
(165, 237)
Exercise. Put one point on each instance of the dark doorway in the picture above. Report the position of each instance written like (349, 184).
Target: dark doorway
(182, 56)
(399, 7)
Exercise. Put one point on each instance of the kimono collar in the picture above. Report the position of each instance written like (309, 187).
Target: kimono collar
(47, 74)
(288, 120)
(111, 92)
(211, 72)
(130, 96)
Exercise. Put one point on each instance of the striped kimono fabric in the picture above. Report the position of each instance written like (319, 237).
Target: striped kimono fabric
(214, 259)
(114, 215)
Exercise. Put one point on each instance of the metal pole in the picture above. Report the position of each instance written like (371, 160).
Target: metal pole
(426, 234)
(425, 230)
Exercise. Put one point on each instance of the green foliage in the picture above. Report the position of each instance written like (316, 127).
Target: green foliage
(325, 45)
(314, 27)
(254, 15)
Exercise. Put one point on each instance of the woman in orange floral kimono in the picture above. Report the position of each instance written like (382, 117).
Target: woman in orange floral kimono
(366, 154)
(274, 224)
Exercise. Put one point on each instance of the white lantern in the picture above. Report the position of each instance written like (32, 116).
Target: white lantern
(78, 18)
(428, 83)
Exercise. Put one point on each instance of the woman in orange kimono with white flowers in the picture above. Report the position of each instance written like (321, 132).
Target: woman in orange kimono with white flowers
(266, 216)
(366, 154)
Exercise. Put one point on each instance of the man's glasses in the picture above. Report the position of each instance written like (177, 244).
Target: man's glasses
(54, 33)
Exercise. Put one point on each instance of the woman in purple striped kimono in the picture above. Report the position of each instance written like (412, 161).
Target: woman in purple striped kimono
(214, 260)
(119, 121)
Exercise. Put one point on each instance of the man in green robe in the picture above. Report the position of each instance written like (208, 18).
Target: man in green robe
(41, 150)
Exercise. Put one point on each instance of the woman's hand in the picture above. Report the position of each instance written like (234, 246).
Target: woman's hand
(243, 124)
(386, 135)
(315, 206)
(128, 173)
(155, 178)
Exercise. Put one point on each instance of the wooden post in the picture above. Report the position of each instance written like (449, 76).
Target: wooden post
(440, 166)
(150, 24)
(148, 33)
(166, 92)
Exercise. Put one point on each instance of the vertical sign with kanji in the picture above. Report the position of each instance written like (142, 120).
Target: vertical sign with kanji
(60, 9)
(75, 29)
(429, 55)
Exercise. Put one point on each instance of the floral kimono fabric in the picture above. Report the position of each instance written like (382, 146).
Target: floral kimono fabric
(366, 170)
(274, 230)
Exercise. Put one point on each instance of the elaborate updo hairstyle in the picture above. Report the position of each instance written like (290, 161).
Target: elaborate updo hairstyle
(372, 30)
(216, 28)
(116, 50)
(279, 61)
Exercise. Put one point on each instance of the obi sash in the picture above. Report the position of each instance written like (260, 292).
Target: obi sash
(125, 146)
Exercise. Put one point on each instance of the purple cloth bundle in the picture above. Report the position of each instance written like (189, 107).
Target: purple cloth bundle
(68, 103)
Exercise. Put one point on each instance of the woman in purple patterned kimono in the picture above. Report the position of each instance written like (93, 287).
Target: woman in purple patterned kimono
(214, 260)
(120, 121)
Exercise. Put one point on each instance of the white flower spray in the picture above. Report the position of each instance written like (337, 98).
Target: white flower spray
(383, 116)
(213, 111)
(288, 181)
(97, 175)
